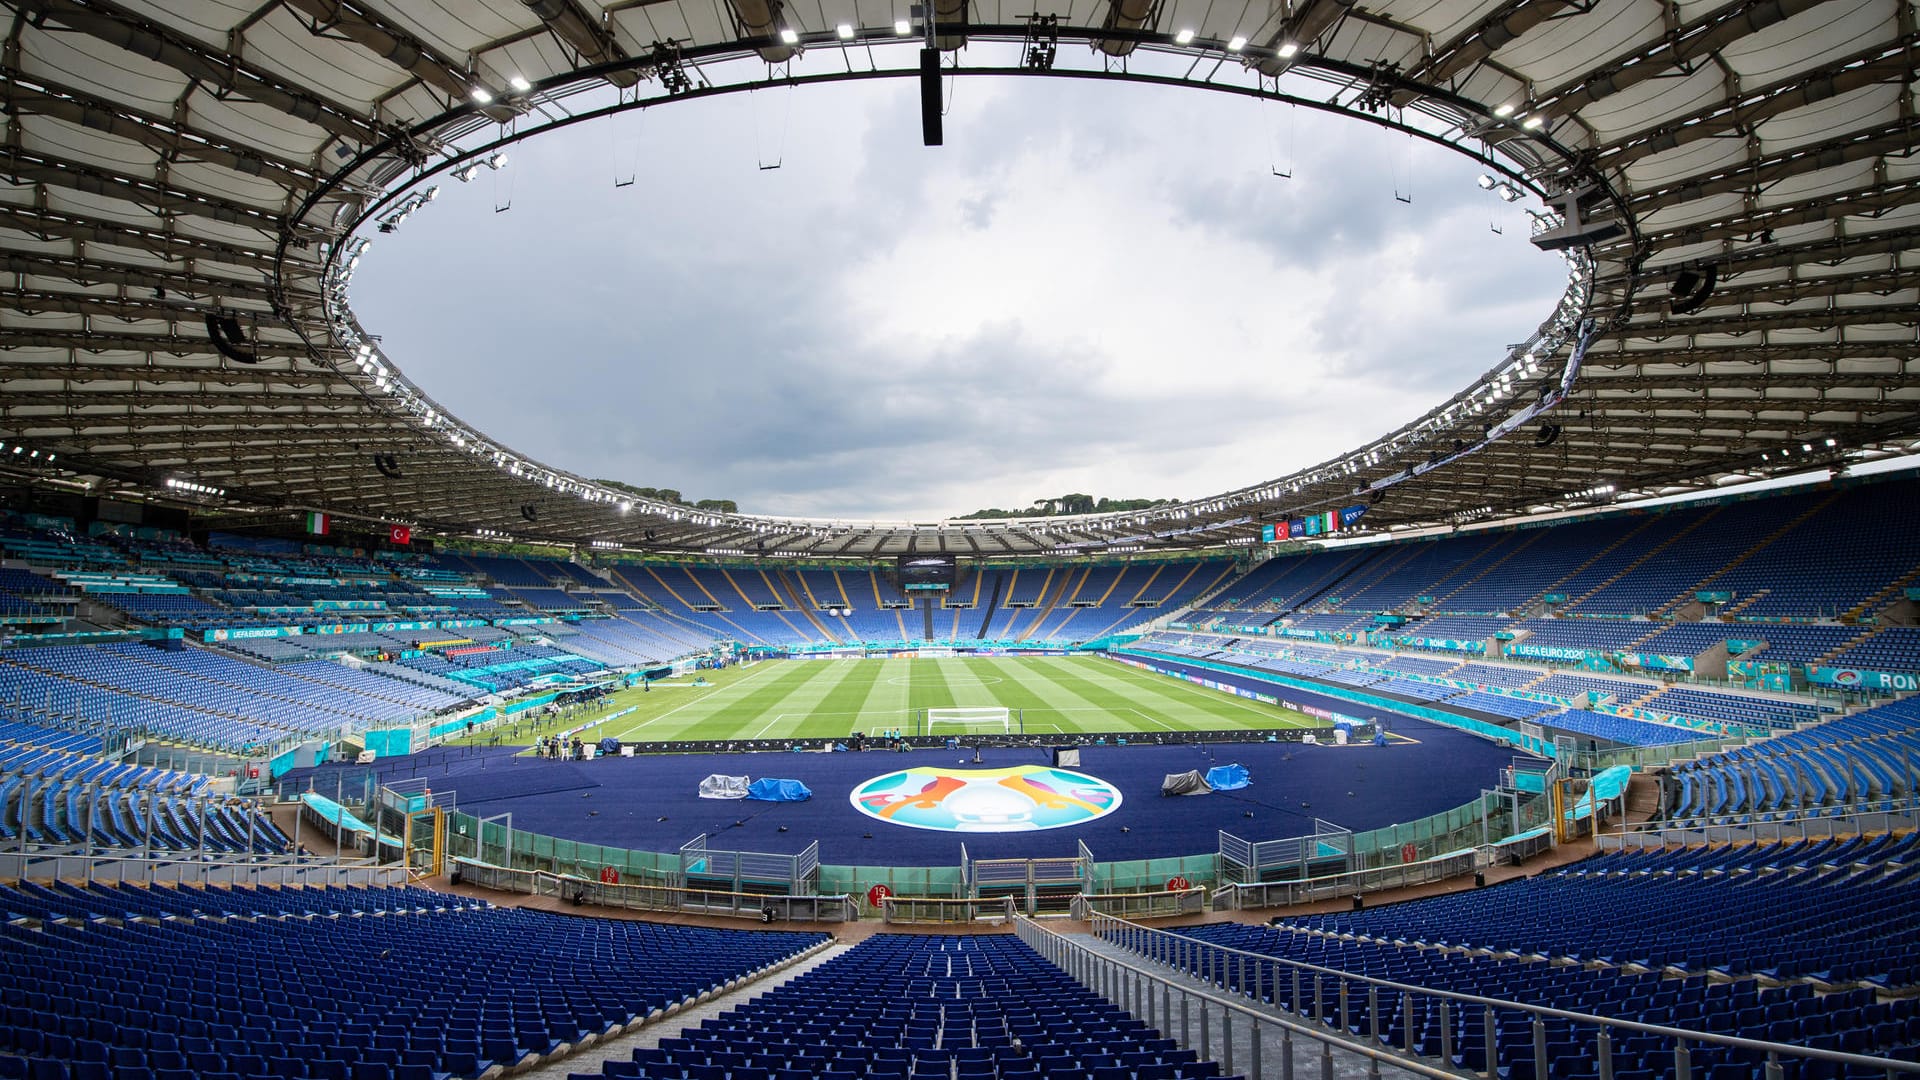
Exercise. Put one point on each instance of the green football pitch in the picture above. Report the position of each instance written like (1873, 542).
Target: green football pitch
(783, 699)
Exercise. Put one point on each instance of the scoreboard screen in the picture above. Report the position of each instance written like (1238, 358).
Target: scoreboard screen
(926, 573)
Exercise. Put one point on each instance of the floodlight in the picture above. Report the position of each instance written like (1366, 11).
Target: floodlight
(902, 27)
(467, 172)
(482, 95)
(788, 37)
(520, 83)
(845, 30)
(1184, 37)
(1534, 122)
(1486, 182)
(1830, 443)
(1503, 110)
(1287, 49)
(498, 160)
(1237, 43)
(1508, 193)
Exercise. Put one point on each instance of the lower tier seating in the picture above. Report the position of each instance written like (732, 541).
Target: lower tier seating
(912, 1007)
(328, 983)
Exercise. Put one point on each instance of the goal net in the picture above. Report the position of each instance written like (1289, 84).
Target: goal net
(952, 721)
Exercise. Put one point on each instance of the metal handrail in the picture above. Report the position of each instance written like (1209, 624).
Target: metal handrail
(840, 908)
(1229, 968)
(1121, 983)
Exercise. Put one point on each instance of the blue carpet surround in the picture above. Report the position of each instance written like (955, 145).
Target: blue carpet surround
(622, 801)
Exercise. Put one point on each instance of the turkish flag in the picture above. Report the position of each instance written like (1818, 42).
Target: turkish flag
(400, 534)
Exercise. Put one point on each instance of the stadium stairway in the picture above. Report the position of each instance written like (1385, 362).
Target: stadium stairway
(588, 1060)
(1440, 604)
(1893, 590)
(1759, 546)
(803, 602)
(1645, 556)
(1828, 658)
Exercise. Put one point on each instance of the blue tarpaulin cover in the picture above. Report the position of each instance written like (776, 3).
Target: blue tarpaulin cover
(1228, 777)
(768, 789)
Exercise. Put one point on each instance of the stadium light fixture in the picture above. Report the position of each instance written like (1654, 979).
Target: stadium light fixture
(519, 83)
(1831, 444)
(1508, 193)
(1236, 43)
(482, 95)
(1288, 49)
(788, 37)
(497, 160)
(1534, 122)
(467, 172)
(845, 31)
(1486, 182)
(1503, 110)
(1184, 37)
(902, 27)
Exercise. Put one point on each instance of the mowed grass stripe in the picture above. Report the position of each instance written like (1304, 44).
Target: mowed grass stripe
(670, 713)
(816, 710)
(1065, 708)
(736, 715)
(882, 705)
(1255, 713)
(1180, 705)
(1135, 706)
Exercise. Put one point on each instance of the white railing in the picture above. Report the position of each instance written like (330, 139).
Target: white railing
(939, 911)
(258, 870)
(1265, 894)
(1155, 904)
(656, 896)
(1805, 825)
(1203, 1019)
(1346, 1002)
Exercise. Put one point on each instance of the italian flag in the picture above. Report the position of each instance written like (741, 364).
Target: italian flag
(1330, 521)
(318, 523)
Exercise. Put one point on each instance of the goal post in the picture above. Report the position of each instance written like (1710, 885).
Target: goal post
(995, 719)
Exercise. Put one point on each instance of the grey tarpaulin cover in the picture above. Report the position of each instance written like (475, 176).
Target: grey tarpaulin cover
(1184, 783)
(721, 786)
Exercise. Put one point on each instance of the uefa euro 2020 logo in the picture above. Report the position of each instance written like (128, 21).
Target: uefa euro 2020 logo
(1016, 799)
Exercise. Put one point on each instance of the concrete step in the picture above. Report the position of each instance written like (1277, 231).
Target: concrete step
(647, 1033)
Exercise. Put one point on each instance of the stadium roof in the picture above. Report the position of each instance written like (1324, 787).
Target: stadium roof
(187, 183)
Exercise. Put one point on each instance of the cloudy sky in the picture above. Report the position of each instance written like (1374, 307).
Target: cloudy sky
(1094, 288)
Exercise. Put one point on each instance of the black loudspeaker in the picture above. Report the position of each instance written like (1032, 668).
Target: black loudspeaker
(1691, 289)
(930, 131)
(530, 512)
(228, 339)
(1549, 434)
(388, 465)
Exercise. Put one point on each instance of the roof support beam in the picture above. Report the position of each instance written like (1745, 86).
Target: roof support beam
(84, 272)
(1882, 63)
(1897, 137)
(594, 43)
(161, 198)
(116, 26)
(1691, 44)
(165, 244)
(170, 139)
